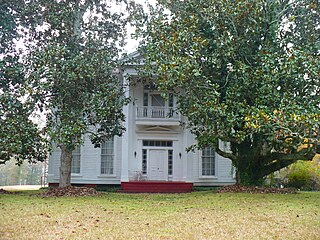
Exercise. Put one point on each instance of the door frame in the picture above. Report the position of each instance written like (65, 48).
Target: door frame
(166, 161)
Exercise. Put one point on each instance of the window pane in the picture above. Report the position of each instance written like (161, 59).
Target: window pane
(107, 157)
(170, 162)
(170, 100)
(208, 161)
(145, 99)
(75, 164)
(159, 143)
(157, 100)
(144, 161)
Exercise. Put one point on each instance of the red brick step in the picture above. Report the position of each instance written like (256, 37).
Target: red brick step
(156, 187)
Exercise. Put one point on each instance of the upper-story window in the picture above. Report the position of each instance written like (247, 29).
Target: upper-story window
(157, 100)
(155, 105)
(76, 160)
(152, 97)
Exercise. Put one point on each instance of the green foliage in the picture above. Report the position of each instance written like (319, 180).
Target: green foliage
(68, 72)
(71, 69)
(19, 136)
(304, 175)
(245, 72)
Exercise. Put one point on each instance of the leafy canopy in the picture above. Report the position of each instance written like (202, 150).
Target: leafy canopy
(72, 68)
(245, 72)
(19, 136)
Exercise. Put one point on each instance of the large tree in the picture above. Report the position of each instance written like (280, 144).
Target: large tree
(71, 67)
(20, 137)
(245, 72)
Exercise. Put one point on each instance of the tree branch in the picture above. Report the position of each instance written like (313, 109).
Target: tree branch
(224, 154)
(281, 160)
(302, 155)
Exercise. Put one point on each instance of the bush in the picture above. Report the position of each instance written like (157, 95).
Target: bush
(304, 175)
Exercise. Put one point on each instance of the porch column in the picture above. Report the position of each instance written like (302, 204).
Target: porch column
(185, 159)
(126, 135)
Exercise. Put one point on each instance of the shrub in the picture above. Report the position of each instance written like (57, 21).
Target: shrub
(304, 175)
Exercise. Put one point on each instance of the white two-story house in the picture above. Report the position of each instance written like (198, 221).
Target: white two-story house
(151, 151)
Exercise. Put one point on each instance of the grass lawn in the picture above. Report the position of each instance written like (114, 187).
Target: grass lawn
(197, 215)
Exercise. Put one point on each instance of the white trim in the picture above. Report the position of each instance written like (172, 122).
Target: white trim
(115, 147)
(210, 177)
(165, 148)
(76, 175)
(153, 137)
(80, 160)
(107, 176)
(157, 148)
(157, 132)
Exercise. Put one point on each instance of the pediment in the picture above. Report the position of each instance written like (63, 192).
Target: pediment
(158, 129)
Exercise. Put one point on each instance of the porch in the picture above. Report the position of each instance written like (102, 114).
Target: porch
(156, 187)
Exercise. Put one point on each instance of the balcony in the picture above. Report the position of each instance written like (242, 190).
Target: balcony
(153, 114)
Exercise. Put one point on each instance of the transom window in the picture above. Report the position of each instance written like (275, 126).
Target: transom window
(208, 161)
(157, 143)
(107, 157)
(76, 157)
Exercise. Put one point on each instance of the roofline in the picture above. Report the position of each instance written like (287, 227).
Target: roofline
(130, 56)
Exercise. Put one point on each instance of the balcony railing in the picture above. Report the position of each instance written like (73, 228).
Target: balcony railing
(164, 113)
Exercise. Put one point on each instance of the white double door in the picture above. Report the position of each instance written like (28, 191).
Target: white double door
(158, 164)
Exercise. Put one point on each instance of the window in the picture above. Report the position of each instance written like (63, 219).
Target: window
(155, 105)
(150, 86)
(157, 100)
(145, 99)
(144, 161)
(208, 162)
(158, 104)
(170, 100)
(75, 164)
(170, 162)
(107, 157)
(157, 143)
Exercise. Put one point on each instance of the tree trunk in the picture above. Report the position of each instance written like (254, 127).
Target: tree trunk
(65, 166)
(238, 177)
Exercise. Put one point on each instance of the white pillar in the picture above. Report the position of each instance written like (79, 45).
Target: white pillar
(126, 136)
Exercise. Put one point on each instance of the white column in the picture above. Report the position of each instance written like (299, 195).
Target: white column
(126, 136)
(185, 155)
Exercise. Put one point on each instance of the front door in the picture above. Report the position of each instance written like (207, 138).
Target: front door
(158, 165)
